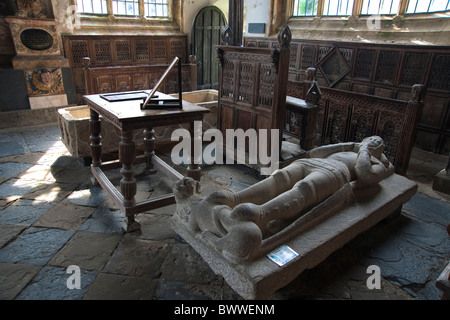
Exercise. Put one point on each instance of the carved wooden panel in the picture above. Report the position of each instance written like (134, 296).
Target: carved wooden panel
(308, 56)
(246, 86)
(102, 51)
(387, 70)
(159, 50)
(252, 88)
(440, 73)
(414, 67)
(362, 123)
(365, 64)
(389, 127)
(129, 78)
(121, 51)
(387, 66)
(80, 49)
(267, 80)
(142, 50)
(336, 123)
(350, 116)
(323, 52)
(294, 56)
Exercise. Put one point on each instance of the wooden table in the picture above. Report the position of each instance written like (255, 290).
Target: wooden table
(128, 116)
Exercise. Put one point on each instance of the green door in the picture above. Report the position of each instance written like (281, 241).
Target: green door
(208, 25)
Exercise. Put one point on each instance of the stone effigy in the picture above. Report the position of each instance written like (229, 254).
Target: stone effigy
(314, 206)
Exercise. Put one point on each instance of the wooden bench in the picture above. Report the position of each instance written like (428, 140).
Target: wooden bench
(350, 116)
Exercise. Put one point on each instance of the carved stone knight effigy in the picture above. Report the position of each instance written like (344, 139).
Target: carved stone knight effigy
(331, 192)
(247, 224)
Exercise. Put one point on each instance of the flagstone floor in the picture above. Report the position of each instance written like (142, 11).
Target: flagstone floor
(53, 218)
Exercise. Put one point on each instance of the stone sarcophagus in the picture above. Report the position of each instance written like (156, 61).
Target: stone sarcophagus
(261, 238)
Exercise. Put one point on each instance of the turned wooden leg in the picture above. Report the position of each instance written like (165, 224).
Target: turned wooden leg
(150, 142)
(127, 156)
(194, 170)
(96, 145)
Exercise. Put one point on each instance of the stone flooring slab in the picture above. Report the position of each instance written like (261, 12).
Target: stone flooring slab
(50, 192)
(105, 220)
(15, 188)
(51, 284)
(65, 216)
(12, 143)
(8, 232)
(24, 212)
(15, 277)
(119, 287)
(174, 290)
(138, 257)
(77, 175)
(10, 169)
(40, 172)
(154, 226)
(36, 246)
(88, 250)
(185, 265)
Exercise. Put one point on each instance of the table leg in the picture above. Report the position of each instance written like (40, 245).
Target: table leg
(149, 141)
(96, 145)
(193, 170)
(127, 156)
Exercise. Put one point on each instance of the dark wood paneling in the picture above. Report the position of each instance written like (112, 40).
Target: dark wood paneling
(385, 70)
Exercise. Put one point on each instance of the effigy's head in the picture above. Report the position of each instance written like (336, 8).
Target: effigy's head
(375, 144)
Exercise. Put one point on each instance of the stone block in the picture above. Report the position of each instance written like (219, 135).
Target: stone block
(441, 182)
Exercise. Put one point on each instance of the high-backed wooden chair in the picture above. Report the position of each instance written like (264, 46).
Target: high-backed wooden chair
(253, 88)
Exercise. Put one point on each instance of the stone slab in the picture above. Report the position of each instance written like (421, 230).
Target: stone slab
(65, 216)
(441, 182)
(261, 278)
(36, 246)
(14, 277)
(119, 287)
(51, 284)
(24, 212)
(42, 102)
(138, 257)
(8, 232)
(88, 250)
(104, 220)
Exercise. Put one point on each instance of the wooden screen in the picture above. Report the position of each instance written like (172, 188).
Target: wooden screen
(253, 86)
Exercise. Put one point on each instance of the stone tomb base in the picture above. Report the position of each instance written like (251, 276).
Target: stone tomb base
(263, 277)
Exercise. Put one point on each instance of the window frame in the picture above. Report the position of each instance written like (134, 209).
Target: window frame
(357, 10)
(141, 12)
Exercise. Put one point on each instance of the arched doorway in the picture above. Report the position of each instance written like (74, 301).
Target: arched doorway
(208, 25)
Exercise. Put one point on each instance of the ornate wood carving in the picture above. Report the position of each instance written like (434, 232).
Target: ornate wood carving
(121, 51)
(386, 70)
(350, 116)
(129, 78)
(253, 86)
